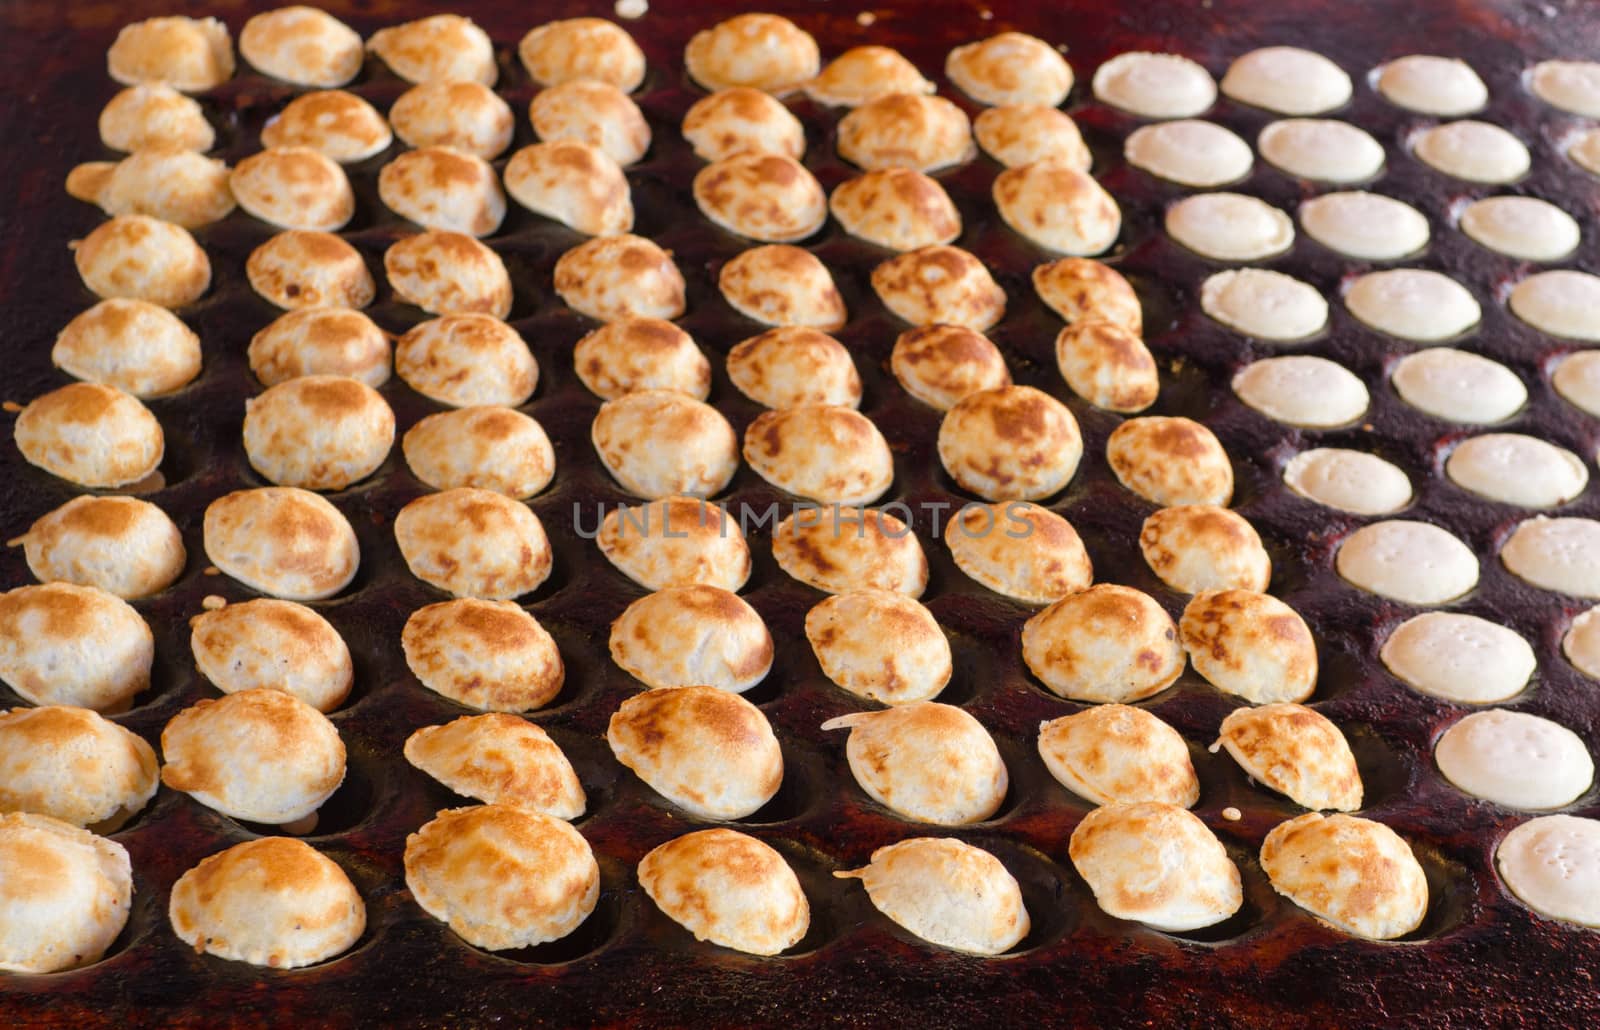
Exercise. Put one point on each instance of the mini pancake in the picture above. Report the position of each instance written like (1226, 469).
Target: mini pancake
(62, 644)
(320, 341)
(1439, 86)
(779, 284)
(300, 269)
(948, 893)
(1321, 149)
(260, 755)
(766, 197)
(1250, 644)
(1010, 68)
(1057, 207)
(443, 188)
(711, 753)
(488, 655)
(1583, 150)
(1458, 386)
(1189, 152)
(728, 888)
(1577, 379)
(641, 354)
(897, 208)
(302, 45)
(828, 454)
(1474, 151)
(733, 121)
(1516, 469)
(1011, 443)
(488, 447)
(880, 645)
(599, 114)
(1021, 135)
(1369, 226)
(906, 130)
(1287, 80)
(188, 54)
(1229, 227)
(69, 916)
(848, 549)
(1459, 657)
(1303, 390)
(1561, 302)
(1552, 865)
(925, 761)
(1296, 752)
(1515, 759)
(943, 364)
(582, 48)
(762, 51)
(863, 74)
(1264, 304)
(1521, 227)
(165, 182)
(339, 125)
(616, 277)
(1019, 549)
(694, 635)
(1106, 643)
(130, 345)
(792, 366)
(122, 545)
(92, 435)
(676, 541)
(1352, 481)
(441, 48)
(1410, 562)
(153, 114)
(293, 188)
(1116, 754)
(1107, 365)
(1556, 554)
(499, 759)
(277, 644)
(474, 543)
(318, 432)
(282, 541)
(1199, 547)
(574, 183)
(1155, 85)
(465, 116)
(1413, 304)
(448, 273)
(1082, 288)
(1356, 875)
(274, 901)
(1157, 864)
(940, 284)
(659, 442)
(143, 258)
(467, 360)
(1572, 86)
(1170, 461)
(74, 765)
(1581, 643)
(502, 877)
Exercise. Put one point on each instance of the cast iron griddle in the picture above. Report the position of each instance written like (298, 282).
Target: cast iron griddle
(1480, 957)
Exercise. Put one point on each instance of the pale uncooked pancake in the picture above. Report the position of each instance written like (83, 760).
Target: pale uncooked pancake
(1364, 225)
(1557, 554)
(1230, 226)
(1521, 227)
(1458, 386)
(1577, 379)
(1573, 86)
(1411, 562)
(1264, 304)
(1581, 644)
(1459, 657)
(1584, 151)
(1413, 304)
(1552, 864)
(1439, 86)
(1287, 80)
(1352, 481)
(1155, 85)
(1517, 469)
(1303, 390)
(1189, 152)
(1515, 759)
(1562, 302)
(1322, 149)
(1473, 150)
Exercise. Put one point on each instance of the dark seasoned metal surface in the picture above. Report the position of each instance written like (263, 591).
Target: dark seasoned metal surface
(1480, 958)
